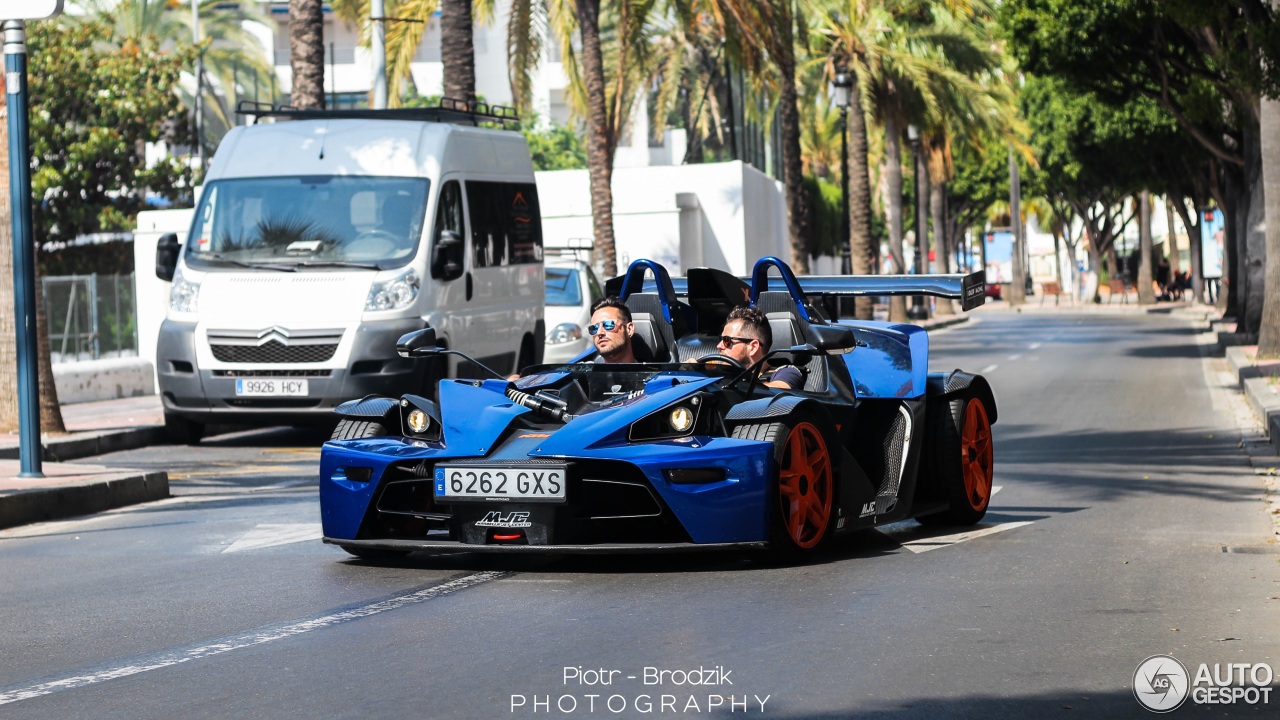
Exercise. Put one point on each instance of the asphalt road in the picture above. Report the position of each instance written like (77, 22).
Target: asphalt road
(1127, 523)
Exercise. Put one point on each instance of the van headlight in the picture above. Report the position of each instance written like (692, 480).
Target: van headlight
(184, 295)
(393, 294)
(564, 333)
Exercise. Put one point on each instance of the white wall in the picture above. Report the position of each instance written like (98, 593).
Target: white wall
(743, 215)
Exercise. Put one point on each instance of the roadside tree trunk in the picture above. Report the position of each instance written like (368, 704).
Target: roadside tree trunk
(457, 49)
(1175, 258)
(861, 252)
(789, 121)
(893, 208)
(50, 411)
(1269, 332)
(600, 140)
(1018, 283)
(306, 54)
(941, 244)
(1146, 293)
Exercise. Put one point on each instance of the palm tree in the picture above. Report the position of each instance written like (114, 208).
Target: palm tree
(306, 53)
(231, 55)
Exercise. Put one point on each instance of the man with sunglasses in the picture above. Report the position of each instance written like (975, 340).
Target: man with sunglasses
(611, 330)
(746, 338)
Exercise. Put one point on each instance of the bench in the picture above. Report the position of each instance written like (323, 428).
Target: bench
(1117, 286)
(1050, 287)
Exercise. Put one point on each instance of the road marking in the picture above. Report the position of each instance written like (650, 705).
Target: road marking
(270, 535)
(1015, 356)
(1033, 346)
(158, 661)
(933, 543)
(987, 369)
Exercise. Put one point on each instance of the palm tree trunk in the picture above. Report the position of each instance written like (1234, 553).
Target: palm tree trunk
(893, 205)
(50, 411)
(306, 54)
(792, 169)
(599, 138)
(942, 247)
(861, 252)
(457, 49)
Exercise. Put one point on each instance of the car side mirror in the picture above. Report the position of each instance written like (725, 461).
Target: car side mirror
(167, 249)
(447, 256)
(418, 343)
(833, 339)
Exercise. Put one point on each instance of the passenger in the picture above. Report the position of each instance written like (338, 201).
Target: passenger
(746, 338)
(611, 330)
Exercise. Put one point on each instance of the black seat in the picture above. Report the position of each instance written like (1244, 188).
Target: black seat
(789, 329)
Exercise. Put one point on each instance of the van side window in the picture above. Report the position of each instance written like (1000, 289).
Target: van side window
(593, 287)
(449, 217)
(506, 227)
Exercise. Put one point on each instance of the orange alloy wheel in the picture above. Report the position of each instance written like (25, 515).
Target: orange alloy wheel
(805, 486)
(976, 460)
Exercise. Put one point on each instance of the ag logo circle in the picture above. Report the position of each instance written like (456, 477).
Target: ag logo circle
(1161, 683)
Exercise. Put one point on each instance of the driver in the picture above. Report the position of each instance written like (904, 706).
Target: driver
(746, 338)
(611, 330)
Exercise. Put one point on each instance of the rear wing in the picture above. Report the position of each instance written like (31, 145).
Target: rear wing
(969, 289)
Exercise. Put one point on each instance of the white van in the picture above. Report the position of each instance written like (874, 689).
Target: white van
(320, 240)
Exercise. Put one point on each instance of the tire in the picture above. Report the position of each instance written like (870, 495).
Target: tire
(961, 460)
(526, 354)
(804, 501)
(183, 431)
(374, 553)
(349, 429)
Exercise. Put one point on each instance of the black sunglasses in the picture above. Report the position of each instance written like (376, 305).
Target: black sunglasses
(729, 340)
(608, 325)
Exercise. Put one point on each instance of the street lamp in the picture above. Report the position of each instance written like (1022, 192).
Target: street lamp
(842, 94)
(917, 311)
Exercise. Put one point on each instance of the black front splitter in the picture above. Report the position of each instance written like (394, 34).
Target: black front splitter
(453, 546)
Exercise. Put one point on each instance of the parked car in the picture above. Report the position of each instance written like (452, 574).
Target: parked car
(572, 288)
(684, 450)
(320, 239)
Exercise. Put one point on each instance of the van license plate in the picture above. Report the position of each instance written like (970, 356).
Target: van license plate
(272, 387)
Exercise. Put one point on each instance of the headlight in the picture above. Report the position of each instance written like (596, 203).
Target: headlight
(418, 421)
(393, 294)
(563, 333)
(681, 419)
(184, 295)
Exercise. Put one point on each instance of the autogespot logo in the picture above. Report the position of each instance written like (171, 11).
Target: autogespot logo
(1161, 683)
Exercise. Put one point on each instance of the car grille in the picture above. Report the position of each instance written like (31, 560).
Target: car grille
(274, 345)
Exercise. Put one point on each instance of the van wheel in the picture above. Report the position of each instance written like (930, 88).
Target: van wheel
(348, 429)
(183, 431)
(526, 354)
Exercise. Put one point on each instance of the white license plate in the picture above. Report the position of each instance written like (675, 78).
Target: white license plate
(461, 482)
(271, 387)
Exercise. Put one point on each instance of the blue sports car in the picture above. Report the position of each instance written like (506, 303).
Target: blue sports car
(684, 449)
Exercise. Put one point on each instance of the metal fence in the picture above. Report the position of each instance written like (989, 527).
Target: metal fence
(90, 316)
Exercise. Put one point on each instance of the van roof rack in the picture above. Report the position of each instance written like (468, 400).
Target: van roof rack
(450, 110)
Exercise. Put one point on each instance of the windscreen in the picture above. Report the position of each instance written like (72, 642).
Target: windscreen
(312, 221)
(563, 287)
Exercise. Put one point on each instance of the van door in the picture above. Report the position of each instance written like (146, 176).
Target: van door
(506, 245)
(452, 312)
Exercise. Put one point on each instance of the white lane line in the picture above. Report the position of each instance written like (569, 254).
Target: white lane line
(995, 489)
(269, 535)
(142, 664)
(1033, 346)
(987, 369)
(1015, 356)
(933, 543)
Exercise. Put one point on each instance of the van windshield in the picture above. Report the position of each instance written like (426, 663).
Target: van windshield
(315, 221)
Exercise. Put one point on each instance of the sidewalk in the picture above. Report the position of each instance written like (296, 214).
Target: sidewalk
(69, 489)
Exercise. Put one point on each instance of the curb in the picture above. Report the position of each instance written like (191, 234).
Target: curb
(94, 494)
(1260, 389)
(78, 445)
